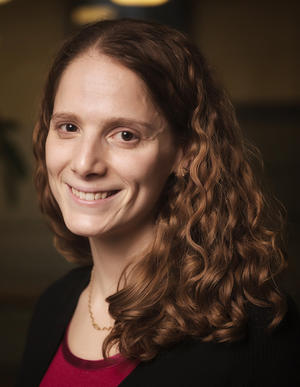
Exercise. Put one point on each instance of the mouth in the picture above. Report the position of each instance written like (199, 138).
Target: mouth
(91, 196)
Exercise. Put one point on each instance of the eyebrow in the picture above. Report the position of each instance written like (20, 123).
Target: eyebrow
(112, 121)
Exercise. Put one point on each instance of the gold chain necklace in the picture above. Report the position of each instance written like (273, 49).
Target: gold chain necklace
(95, 325)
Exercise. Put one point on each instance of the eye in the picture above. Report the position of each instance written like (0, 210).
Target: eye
(127, 136)
(68, 127)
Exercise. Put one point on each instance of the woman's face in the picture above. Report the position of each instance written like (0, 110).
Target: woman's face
(109, 151)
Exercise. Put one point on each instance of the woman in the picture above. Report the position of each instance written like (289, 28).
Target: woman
(146, 182)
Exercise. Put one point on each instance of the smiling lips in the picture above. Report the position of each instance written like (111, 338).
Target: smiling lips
(90, 196)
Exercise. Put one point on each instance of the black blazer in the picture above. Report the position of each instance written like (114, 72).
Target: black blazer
(258, 360)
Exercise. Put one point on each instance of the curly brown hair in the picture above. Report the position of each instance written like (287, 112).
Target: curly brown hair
(217, 242)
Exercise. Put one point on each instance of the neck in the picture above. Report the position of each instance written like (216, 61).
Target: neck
(112, 253)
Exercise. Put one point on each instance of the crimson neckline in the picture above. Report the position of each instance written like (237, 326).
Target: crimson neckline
(85, 363)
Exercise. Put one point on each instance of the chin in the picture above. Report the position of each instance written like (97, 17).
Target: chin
(86, 229)
(80, 228)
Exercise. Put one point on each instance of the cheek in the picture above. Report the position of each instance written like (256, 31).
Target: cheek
(55, 156)
(143, 168)
(49, 156)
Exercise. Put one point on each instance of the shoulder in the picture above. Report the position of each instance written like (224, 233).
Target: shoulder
(56, 305)
(285, 338)
(262, 358)
(67, 282)
(275, 355)
(64, 289)
(51, 316)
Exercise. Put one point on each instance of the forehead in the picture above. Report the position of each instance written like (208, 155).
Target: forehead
(97, 71)
(95, 86)
(98, 77)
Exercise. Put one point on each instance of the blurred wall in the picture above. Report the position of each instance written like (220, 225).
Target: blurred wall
(254, 49)
(30, 32)
(253, 46)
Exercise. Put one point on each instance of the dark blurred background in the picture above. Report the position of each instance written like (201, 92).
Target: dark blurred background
(254, 48)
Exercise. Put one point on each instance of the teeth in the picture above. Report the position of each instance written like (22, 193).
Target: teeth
(90, 195)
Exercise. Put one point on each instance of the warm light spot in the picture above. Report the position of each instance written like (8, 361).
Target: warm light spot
(4, 1)
(139, 3)
(92, 13)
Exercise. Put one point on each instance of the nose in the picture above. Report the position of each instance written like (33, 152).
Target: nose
(88, 159)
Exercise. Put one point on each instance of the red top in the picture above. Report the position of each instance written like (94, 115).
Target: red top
(68, 370)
